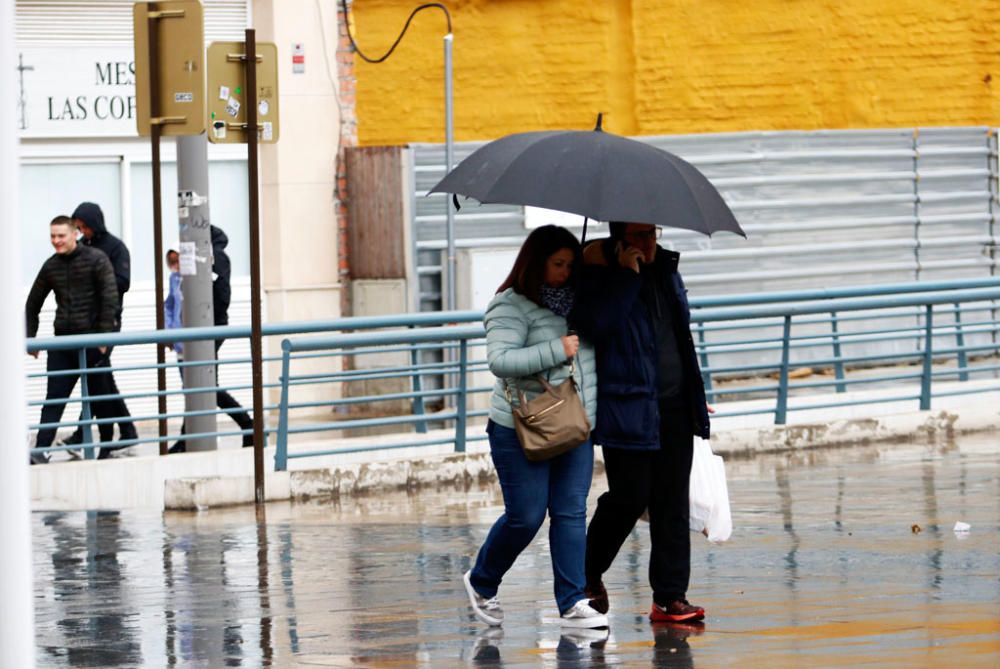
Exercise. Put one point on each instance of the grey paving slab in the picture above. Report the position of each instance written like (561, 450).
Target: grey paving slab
(824, 569)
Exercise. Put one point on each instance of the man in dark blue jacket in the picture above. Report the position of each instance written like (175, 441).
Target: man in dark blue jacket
(632, 304)
(89, 219)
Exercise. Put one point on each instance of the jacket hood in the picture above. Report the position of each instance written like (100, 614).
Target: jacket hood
(92, 216)
(219, 238)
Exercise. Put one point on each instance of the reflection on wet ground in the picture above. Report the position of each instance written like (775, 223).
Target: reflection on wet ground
(824, 569)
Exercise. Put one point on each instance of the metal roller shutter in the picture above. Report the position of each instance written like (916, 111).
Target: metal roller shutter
(50, 22)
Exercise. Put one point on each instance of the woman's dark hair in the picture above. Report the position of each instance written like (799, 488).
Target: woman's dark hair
(528, 273)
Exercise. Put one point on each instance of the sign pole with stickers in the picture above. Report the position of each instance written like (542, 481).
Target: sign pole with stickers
(169, 80)
(197, 266)
(243, 108)
(250, 62)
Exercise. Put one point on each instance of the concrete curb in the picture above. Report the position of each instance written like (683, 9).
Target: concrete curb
(920, 426)
(370, 464)
(464, 470)
(198, 493)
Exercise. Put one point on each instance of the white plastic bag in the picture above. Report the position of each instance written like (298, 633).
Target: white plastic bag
(709, 494)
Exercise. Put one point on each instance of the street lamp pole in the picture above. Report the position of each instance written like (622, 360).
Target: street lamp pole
(449, 162)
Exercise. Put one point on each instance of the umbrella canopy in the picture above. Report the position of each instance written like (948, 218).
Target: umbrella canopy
(595, 174)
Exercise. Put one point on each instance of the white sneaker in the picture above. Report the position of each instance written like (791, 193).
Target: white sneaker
(584, 637)
(486, 610)
(487, 645)
(582, 615)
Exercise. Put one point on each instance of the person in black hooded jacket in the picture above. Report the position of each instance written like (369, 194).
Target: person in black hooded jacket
(89, 219)
(222, 293)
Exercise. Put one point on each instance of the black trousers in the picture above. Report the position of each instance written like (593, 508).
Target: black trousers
(107, 408)
(223, 400)
(61, 387)
(654, 480)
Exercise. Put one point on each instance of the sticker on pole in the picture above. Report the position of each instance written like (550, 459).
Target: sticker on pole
(188, 258)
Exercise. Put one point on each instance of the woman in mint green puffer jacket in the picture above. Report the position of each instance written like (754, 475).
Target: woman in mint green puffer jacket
(526, 336)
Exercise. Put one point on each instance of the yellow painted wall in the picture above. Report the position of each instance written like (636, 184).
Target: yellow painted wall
(679, 66)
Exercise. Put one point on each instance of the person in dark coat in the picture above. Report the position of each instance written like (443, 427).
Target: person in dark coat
(89, 219)
(86, 298)
(633, 306)
(221, 296)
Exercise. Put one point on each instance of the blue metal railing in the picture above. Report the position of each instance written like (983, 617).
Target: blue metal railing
(81, 343)
(346, 345)
(751, 347)
(902, 316)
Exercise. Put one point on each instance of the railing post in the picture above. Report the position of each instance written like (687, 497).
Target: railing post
(460, 401)
(838, 365)
(281, 450)
(706, 377)
(85, 429)
(963, 360)
(925, 377)
(781, 410)
(418, 402)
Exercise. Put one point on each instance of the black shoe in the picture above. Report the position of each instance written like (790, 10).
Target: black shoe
(106, 451)
(127, 432)
(179, 447)
(598, 596)
(247, 441)
(73, 439)
(38, 459)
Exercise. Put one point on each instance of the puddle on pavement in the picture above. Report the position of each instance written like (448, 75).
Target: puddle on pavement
(823, 569)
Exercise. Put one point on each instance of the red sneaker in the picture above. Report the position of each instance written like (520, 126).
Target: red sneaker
(677, 611)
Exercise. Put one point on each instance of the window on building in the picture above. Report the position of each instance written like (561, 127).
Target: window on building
(228, 210)
(48, 190)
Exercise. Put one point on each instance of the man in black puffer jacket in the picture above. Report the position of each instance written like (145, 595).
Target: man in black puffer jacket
(90, 220)
(632, 305)
(86, 299)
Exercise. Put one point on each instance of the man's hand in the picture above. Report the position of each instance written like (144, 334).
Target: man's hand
(629, 256)
(711, 409)
(571, 344)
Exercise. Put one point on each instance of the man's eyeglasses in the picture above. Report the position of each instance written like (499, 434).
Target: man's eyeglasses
(655, 233)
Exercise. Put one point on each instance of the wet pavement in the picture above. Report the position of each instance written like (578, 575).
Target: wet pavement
(825, 569)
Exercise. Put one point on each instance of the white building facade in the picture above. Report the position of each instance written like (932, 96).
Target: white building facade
(78, 142)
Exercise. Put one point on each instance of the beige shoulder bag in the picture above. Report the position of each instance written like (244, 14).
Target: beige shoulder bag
(551, 424)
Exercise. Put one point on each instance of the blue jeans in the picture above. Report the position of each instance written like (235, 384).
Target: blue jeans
(559, 486)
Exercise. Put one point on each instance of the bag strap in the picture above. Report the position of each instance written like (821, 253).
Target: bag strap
(542, 380)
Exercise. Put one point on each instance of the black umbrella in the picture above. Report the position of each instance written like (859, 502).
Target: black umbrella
(594, 174)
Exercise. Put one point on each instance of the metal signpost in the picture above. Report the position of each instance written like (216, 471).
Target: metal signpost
(170, 85)
(170, 100)
(242, 88)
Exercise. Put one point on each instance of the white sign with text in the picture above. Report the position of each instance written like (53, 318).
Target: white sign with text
(76, 92)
